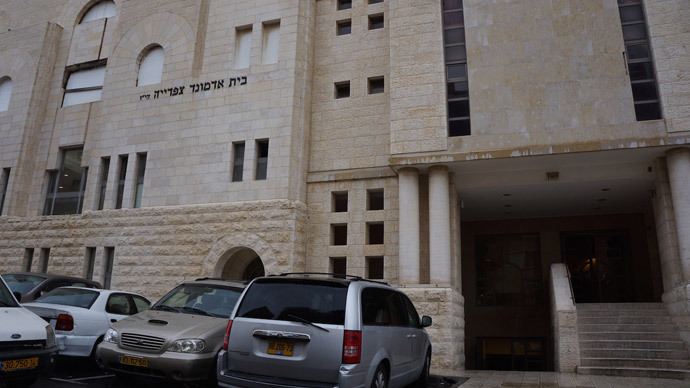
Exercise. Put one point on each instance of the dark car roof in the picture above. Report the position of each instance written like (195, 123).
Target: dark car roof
(56, 276)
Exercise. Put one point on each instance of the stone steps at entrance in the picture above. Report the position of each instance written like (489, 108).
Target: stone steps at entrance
(630, 339)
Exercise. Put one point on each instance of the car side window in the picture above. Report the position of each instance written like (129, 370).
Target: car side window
(374, 307)
(53, 285)
(412, 315)
(118, 304)
(397, 309)
(141, 304)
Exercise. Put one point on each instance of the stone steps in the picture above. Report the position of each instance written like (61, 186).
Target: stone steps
(632, 339)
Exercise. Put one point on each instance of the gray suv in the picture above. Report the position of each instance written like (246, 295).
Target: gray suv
(311, 330)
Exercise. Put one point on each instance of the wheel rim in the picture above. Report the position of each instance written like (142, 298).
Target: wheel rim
(380, 381)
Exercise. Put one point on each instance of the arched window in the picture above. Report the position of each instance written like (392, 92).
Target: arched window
(151, 66)
(102, 10)
(5, 93)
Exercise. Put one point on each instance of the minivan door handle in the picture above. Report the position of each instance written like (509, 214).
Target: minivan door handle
(285, 335)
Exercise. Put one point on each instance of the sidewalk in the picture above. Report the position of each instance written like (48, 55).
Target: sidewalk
(496, 379)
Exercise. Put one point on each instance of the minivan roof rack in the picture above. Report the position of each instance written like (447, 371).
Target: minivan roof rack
(352, 277)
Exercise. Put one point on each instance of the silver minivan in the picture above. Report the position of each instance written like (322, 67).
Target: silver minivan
(311, 330)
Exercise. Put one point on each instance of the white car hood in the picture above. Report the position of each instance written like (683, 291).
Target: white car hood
(20, 321)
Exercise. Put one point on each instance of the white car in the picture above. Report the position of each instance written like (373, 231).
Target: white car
(27, 343)
(80, 316)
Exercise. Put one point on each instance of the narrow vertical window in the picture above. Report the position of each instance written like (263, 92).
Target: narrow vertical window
(237, 161)
(374, 267)
(66, 185)
(243, 45)
(5, 93)
(43, 258)
(151, 66)
(28, 259)
(338, 267)
(270, 43)
(108, 263)
(4, 182)
(122, 175)
(141, 169)
(261, 159)
(456, 69)
(89, 262)
(639, 60)
(105, 168)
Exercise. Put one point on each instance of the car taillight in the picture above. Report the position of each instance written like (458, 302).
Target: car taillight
(352, 347)
(227, 335)
(64, 322)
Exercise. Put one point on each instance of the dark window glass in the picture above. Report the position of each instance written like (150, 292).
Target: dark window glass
(449, 5)
(342, 89)
(383, 307)
(458, 89)
(638, 51)
(141, 304)
(344, 4)
(375, 199)
(459, 127)
(649, 111)
(339, 234)
(344, 27)
(340, 202)
(4, 180)
(453, 19)
(109, 263)
(455, 35)
(374, 267)
(90, 262)
(412, 315)
(634, 32)
(105, 168)
(375, 22)
(21, 282)
(66, 186)
(119, 304)
(261, 159)
(458, 70)
(631, 13)
(641, 71)
(121, 182)
(376, 85)
(375, 233)
(339, 267)
(456, 53)
(294, 300)
(141, 169)
(644, 91)
(457, 109)
(238, 162)
(375, 1)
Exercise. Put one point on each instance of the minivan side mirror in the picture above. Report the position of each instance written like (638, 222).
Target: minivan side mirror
(426, 321)
(18, 295)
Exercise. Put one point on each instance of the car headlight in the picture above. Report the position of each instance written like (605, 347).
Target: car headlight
(50, 337)
(187, 346)
(110, 336)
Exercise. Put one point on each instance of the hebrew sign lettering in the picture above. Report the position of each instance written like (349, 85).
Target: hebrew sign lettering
(195, 88)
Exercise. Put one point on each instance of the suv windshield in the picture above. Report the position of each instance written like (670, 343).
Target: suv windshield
(205, 299)
(70, 297)
(316, 301)
(22, 283)
(6, 298)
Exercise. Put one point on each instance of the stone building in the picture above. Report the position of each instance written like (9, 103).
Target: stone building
(454, 149)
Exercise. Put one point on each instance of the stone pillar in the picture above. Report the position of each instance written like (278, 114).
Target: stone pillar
(439, 226)
(671, 269)
(678, 163)
(408, 203)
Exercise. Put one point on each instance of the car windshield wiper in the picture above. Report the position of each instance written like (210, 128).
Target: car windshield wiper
(307, 322)
(196, 310)
(166, 308)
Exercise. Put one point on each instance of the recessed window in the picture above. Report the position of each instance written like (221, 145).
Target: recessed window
(84, 85)
(141, 169)
(456, 69)
(108, 264)
(375, 21)
(338, 267)
(343, 27)
(105, 168)
(28, 259)
(43, 258)
(375, 1)
(4, 182)
(102, 10)
(339, 234)
(375, 199)
(340, 202)
(374, 233)
(374, 266)
(342, 89)
(344, 4)
(261, 159)
(151, 66)
(376, 85)
(270, 43)
(5, 93)
(122, 176)
(66, 185)
(243, 45)
(89, 262)
(237, 161)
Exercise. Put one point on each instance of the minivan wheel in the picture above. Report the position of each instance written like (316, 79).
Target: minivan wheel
(380, 377)
(423, 379)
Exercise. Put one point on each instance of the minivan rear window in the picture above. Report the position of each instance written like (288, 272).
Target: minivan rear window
(316, 301)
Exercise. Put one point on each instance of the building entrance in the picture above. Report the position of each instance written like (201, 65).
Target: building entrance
(243, 264)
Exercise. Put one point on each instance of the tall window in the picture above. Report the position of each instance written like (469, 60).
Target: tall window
(105, 168)
(102, 10)
(639, 58)
(243, 45)
(122, 175)
(5, 93)
(237, 161)
(261, 159)
(141, 169)
(28, 259)
(270, 43)
(89, 262)
(84, 85)
(4, 182)
(456, 68)
(43, 258)
(66, 185)
(151, 66)
(108, 262)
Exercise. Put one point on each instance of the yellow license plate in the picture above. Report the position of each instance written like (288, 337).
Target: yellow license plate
(280, 348)
(25, 363)
(134, 361)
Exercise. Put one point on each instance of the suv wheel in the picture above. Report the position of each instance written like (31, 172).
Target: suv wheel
(380, 377)
(424, 376)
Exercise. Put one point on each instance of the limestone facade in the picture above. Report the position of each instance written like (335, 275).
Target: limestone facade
(549, 91)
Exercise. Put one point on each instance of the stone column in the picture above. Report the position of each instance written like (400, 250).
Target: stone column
(671, 269)
(439, 226)
(408, 186)
(678, 163)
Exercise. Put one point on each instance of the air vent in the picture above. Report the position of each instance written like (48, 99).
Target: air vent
(157, 322)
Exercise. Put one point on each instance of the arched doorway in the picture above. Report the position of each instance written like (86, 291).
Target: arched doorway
(242, 263)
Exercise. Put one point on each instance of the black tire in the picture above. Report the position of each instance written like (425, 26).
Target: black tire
(23, 383)
(423, 379)
(380, 379)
